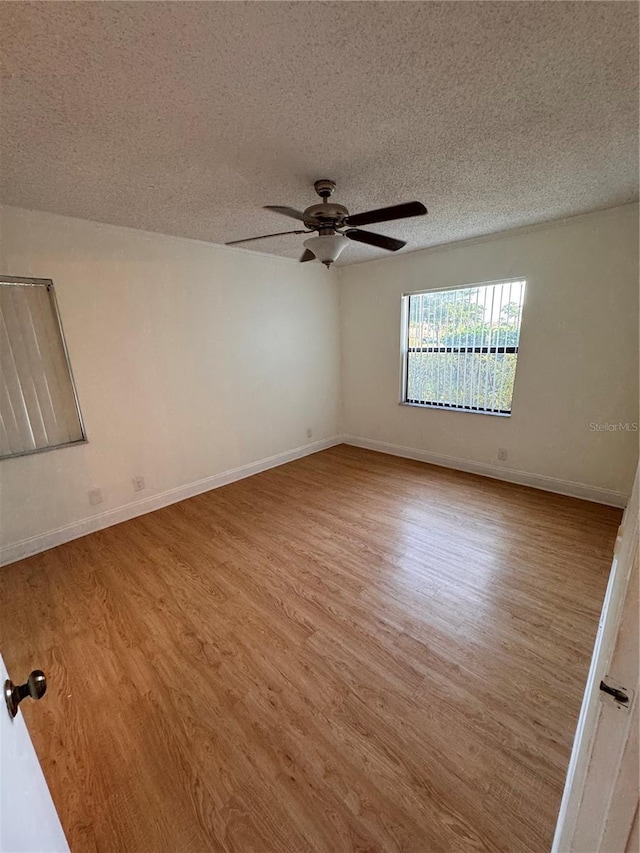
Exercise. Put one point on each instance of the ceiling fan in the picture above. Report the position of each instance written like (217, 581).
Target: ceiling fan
(336, 227)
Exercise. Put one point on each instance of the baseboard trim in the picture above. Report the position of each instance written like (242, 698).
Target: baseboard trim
(52, 538)
(510, 475)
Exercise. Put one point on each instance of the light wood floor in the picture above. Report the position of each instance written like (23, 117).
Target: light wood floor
(351, 652)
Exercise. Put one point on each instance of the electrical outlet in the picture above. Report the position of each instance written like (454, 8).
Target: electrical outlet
(502, 454)
(309, 432)
(138, 484)
(95, 496)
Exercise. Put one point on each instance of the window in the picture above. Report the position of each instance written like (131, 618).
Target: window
(38, 403)
(461, 346)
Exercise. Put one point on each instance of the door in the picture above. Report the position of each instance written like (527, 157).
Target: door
(600, 799)
(28, 819)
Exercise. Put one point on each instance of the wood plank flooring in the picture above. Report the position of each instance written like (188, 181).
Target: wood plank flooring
(351, 652)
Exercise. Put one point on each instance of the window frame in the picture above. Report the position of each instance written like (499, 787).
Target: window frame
(28, 281)
(404, 345)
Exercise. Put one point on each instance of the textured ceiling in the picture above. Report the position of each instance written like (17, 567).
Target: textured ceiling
(186, 118)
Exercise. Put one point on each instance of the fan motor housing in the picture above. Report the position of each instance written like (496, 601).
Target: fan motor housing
(325, 214)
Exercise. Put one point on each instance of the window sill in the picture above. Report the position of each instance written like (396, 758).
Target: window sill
(24, 453)
(454, 409)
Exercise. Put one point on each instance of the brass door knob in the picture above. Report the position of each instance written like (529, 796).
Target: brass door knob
(35, 687)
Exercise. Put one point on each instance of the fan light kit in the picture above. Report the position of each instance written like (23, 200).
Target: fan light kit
(335, 227)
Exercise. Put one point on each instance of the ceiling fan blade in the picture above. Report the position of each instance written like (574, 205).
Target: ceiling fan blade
(307, 255)
(285, 211)
(386, 214)
(379, 240)
(263, 236)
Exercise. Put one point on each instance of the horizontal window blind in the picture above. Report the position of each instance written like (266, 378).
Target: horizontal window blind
(38, 406)
(462, 346)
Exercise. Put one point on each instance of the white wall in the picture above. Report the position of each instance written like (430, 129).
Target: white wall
(578, 360)
(190, 360)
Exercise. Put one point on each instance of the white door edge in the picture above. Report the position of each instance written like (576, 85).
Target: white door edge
(625, 555)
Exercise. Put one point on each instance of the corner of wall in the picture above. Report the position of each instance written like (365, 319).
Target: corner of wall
(340, 280)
